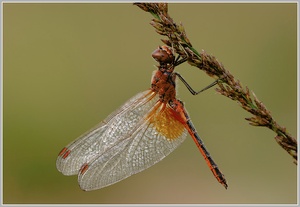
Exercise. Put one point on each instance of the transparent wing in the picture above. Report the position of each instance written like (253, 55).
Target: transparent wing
(105, 135)
(149, 143)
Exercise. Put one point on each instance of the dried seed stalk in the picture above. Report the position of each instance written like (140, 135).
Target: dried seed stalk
(228, 86)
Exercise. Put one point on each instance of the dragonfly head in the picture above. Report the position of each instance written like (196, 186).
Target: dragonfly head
(163, 55)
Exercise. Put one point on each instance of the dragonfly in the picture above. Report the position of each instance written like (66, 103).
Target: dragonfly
(140, 133)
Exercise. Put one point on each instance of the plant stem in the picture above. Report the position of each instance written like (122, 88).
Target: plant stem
(228, 86)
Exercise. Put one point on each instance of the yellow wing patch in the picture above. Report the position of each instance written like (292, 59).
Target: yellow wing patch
(163, 118)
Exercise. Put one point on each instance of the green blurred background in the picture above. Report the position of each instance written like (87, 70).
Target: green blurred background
(68, 65)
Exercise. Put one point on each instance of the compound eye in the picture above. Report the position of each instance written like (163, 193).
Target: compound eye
(163, 55)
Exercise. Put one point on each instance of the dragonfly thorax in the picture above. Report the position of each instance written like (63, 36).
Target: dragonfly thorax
(163, 83)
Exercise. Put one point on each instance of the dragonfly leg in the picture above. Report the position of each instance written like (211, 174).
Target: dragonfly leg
(178, 62)
(191, 89)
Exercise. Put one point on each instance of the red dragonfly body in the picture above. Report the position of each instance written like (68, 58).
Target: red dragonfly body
(143, 131)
